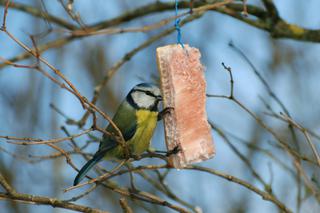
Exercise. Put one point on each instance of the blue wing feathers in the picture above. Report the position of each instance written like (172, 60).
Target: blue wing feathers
(84, 170)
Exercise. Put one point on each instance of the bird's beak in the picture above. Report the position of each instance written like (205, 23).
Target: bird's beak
(159, 98)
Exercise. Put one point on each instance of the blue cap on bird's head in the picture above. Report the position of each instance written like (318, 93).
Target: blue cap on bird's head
(145, 85)
(145, 96)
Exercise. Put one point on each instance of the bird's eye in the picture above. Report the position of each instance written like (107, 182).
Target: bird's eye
(149, 93)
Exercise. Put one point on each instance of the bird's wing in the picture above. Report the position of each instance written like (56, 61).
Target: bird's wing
(125, 119)
(84, 170)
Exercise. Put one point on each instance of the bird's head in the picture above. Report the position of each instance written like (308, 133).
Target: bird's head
(145, 96)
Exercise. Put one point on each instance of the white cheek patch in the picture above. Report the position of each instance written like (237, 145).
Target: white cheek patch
(143, 100)
(156, 91)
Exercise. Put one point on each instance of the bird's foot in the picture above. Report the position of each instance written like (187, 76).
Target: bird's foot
(174, 151)
(164, 112)
(135, 157)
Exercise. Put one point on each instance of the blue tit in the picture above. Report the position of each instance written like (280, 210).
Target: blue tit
(136, 118)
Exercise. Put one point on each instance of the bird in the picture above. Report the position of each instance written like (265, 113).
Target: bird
(136, 118)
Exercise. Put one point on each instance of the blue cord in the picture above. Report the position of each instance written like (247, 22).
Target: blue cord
(177, 26)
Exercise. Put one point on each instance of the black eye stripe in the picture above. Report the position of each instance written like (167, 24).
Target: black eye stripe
(149, 93)
(146, 92)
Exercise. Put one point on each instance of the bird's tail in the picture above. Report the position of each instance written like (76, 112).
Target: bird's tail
(85, 169)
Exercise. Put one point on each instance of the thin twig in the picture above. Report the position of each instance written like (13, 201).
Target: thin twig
(264, 195)
(292, 153)
(125, 206)
(34, 141)
(98, 179)
(4, 25)
(305, 133)
(41, 200)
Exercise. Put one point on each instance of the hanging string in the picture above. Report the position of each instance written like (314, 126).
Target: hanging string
(177, 26)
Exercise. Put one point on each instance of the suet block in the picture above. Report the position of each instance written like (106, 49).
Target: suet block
(184, 89)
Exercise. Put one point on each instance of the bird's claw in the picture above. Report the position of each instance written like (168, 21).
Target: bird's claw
(164, 112)
(174, 151)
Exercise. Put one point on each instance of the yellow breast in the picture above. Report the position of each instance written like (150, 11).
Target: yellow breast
(146, 123)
